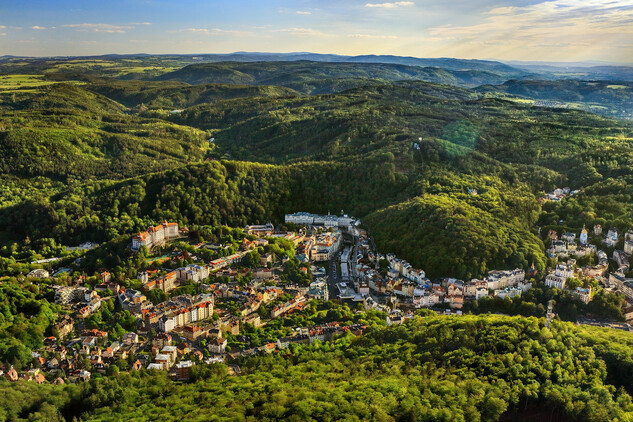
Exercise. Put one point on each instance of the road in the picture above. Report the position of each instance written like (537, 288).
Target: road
(333, 277)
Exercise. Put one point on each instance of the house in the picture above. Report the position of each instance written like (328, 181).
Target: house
(105, 277)
(183, 369)
(163, 360)
(170, 351)
(158, 366)
(84, 375)
(161, 340)
(584, 295)
(393, 320)
(183, 349)
(192, 272)
(265, 259)
(11, 375)
(612, 237)
(217, 345)
(130, 338)
(64, 327)
(597, 229)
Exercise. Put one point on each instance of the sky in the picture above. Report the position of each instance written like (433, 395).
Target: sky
(530, 30)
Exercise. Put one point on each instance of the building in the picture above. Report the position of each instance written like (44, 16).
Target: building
(307, 219)
(260, 230)
(155, 236)
(584, 295)
(166, 282)
(183, 369)
(622, 284)
(584, 236)
(130, 338)
(11, 375)
(559, 277)
(193, 272)
(217, 345)
(39, 273)
(612, 238)
(64, 327)
(163, 360)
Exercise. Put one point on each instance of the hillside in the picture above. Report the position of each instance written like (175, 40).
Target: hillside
(180, 95)
(309, 77)
(391, 118)
(400, 152)
(603, 97)
(63, 131)
(471, 368)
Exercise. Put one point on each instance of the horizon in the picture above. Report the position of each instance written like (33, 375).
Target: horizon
(564, 31)
(583, 63)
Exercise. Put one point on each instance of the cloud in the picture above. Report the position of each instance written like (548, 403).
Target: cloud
(2, 27)
(2, 34)
(304, 32)
(38, 27)
(574, 29)
(390, 5)
(301, 12)
(215, 31)
(140, 23)
(100, 27)
(373, 37)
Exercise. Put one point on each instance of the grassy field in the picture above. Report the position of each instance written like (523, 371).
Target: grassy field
(22, 82)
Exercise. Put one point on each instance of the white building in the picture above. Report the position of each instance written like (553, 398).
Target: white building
(155, 236)
(612, 238)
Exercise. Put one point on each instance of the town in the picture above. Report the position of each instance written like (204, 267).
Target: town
(263, 288)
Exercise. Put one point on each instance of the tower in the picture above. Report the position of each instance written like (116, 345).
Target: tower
(583, 235)
(550, 313)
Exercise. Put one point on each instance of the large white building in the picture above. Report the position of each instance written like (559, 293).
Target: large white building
(155, 236)
(307, 219)
(559, 277)
(193, 272)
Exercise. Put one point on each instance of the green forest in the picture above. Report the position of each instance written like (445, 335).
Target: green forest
(386, 150)
(475, 368)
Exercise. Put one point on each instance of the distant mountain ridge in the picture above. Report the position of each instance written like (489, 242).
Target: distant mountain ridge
(310, 76)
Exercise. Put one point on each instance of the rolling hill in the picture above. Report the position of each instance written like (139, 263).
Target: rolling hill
(603, 97)
(309, 77)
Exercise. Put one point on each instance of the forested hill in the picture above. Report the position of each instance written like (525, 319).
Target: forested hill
(148, 95)
(604, 97)
(64, 130)
(309, 77)
(471, 368)
(392, 118)
(455, 172)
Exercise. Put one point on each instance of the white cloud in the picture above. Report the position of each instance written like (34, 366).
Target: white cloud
(99, 27)
(373, 37)
(2, 27)
(215, 31)
(2, 34)
(575, 29)
(140, 23)
(38, 27)
(302, 12)
(390, 5)
(304, 32)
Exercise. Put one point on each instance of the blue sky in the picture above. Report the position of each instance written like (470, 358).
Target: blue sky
(556, 30)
